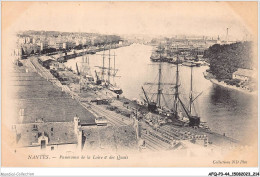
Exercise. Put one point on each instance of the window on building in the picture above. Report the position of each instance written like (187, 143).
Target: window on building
(43, 144)
(52, 148)
(35, 127)
(52, 129)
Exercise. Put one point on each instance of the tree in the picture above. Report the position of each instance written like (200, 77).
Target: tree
(226, 59)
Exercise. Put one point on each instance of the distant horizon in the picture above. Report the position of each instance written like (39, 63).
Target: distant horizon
(180, 36)
(134, 18)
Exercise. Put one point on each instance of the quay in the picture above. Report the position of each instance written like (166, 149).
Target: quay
(47, 105)
(70, 54)
(166, 137)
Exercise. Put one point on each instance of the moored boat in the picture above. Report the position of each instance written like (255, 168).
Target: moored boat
(173, 114)
(115, 89)
(189, 63)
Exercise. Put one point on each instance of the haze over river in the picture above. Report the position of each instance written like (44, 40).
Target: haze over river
(225, 110)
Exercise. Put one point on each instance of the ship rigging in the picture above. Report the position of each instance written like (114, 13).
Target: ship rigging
(174, 113)
(109, 72)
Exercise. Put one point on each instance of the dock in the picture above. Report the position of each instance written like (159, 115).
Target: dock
(166, 137)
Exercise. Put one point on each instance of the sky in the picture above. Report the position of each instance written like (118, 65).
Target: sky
(152, 18)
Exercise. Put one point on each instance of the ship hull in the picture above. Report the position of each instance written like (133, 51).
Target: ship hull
(189, 64)
(116, 90)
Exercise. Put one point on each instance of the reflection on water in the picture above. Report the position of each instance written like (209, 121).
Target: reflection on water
(232, 112)
(226, 111)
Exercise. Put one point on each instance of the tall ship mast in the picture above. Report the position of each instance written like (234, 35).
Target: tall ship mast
(176, 94)
(155, 106)
(100, 75)
(103, 67)
(110, 72)
(178, 104)
(85, 68)
(194, 120)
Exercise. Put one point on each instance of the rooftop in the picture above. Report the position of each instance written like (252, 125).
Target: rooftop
(244, 72)
(110, 138)
(41, 99)
(57, 133)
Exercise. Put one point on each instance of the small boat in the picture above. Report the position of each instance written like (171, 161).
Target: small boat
(189, 63)
(155, 57)
(197, 63)
(115, 89)
(174, 60)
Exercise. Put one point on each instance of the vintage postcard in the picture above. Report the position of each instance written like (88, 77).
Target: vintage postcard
(129, 84)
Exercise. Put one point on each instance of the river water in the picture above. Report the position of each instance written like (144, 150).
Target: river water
(225, 110)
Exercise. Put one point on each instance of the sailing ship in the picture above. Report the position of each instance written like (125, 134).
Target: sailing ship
(92, 50)
(165, 55)
(193, 61)
(110, 72)
(176, 61)
(175, 114)
(155, 57)
(159, 105)
(159, 55)
(85, 70)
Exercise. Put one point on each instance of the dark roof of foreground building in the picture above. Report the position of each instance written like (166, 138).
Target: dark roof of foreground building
(41, 99)
(57, 133)
(110, 138)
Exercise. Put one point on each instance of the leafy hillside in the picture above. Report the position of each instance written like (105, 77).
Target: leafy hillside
(225, 59)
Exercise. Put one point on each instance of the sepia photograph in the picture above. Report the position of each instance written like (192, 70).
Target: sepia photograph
(129, 84)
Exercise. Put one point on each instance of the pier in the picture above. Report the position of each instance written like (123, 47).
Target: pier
(168, 137)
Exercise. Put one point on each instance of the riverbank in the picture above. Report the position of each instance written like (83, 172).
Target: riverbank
(64, 56)
(118, 116)
(212, 79)
(131, 81)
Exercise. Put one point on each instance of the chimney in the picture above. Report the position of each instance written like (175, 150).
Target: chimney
(76, 124)
(80, 140)
(227, 36)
